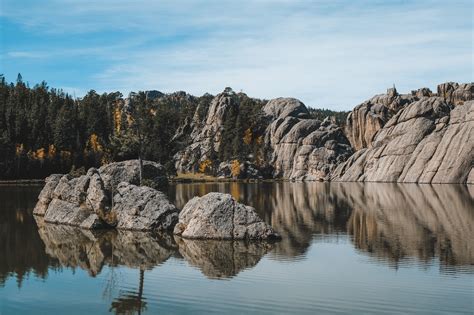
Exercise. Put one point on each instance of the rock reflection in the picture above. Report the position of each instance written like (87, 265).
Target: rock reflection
(222, 259)
(75, 247)
(391, 222)
(401, 221)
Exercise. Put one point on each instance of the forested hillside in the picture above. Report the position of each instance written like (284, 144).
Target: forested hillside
(44, 130)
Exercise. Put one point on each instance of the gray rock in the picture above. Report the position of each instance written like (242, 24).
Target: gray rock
(64, 212)
(46, 194)
(129, 171)
(455, 93)
(142, 208)
(368, 118)
(285, 107)
(206, 135)
(425, 142)
(219, 216)
(303, 149)
(86, 202)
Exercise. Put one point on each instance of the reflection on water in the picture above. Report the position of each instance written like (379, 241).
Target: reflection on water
(390, 224)
(218, 259)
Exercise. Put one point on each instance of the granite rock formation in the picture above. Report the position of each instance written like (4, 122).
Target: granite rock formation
(205, 133)
(427, 141)
(298, 147)
(143, 208)
(302, 148)
(86, 201)
(220, 216)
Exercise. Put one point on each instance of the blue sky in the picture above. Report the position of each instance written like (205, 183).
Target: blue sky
(327, 53)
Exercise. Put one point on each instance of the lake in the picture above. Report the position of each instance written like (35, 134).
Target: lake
(345, 248)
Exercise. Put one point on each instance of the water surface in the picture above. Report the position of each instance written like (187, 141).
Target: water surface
(346, 248)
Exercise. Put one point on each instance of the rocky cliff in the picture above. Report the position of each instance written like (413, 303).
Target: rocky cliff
(421, 136)
(429, 139)
(292, 145)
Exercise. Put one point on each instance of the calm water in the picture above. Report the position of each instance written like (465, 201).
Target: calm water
(346, 248)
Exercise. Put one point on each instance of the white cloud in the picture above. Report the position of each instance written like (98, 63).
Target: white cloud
(327, 53)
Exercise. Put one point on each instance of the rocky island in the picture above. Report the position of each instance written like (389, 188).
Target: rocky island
(108, 197)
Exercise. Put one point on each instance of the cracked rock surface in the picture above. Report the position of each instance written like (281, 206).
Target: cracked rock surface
(220, 216)
(428, 141)
(86, 201)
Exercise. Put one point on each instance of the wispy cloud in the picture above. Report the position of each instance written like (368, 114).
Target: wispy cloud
(327, 53)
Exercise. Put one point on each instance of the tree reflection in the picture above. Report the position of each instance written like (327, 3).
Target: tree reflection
(130, 302)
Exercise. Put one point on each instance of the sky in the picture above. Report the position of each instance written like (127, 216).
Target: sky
(327, 53)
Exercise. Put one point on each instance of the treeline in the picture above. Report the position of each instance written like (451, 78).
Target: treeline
(44, 130)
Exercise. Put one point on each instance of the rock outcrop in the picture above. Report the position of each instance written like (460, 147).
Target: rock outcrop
(455, 93)
(369, 117)
(297, 147)
(220, 216)
(302, 148)
(205, 132)
(428, 141)
(86, 201)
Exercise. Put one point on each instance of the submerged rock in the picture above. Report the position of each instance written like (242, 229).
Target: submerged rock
(219, 216)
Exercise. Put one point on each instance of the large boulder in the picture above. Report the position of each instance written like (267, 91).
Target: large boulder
(220, 216)
(86, 201)
(428, 141)
(285, 107)
(142, 208)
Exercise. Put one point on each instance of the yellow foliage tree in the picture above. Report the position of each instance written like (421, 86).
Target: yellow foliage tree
(247, 136)
(235, 168)
(117, 119)
(204, 166)
(51, 151)
(94, 144)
